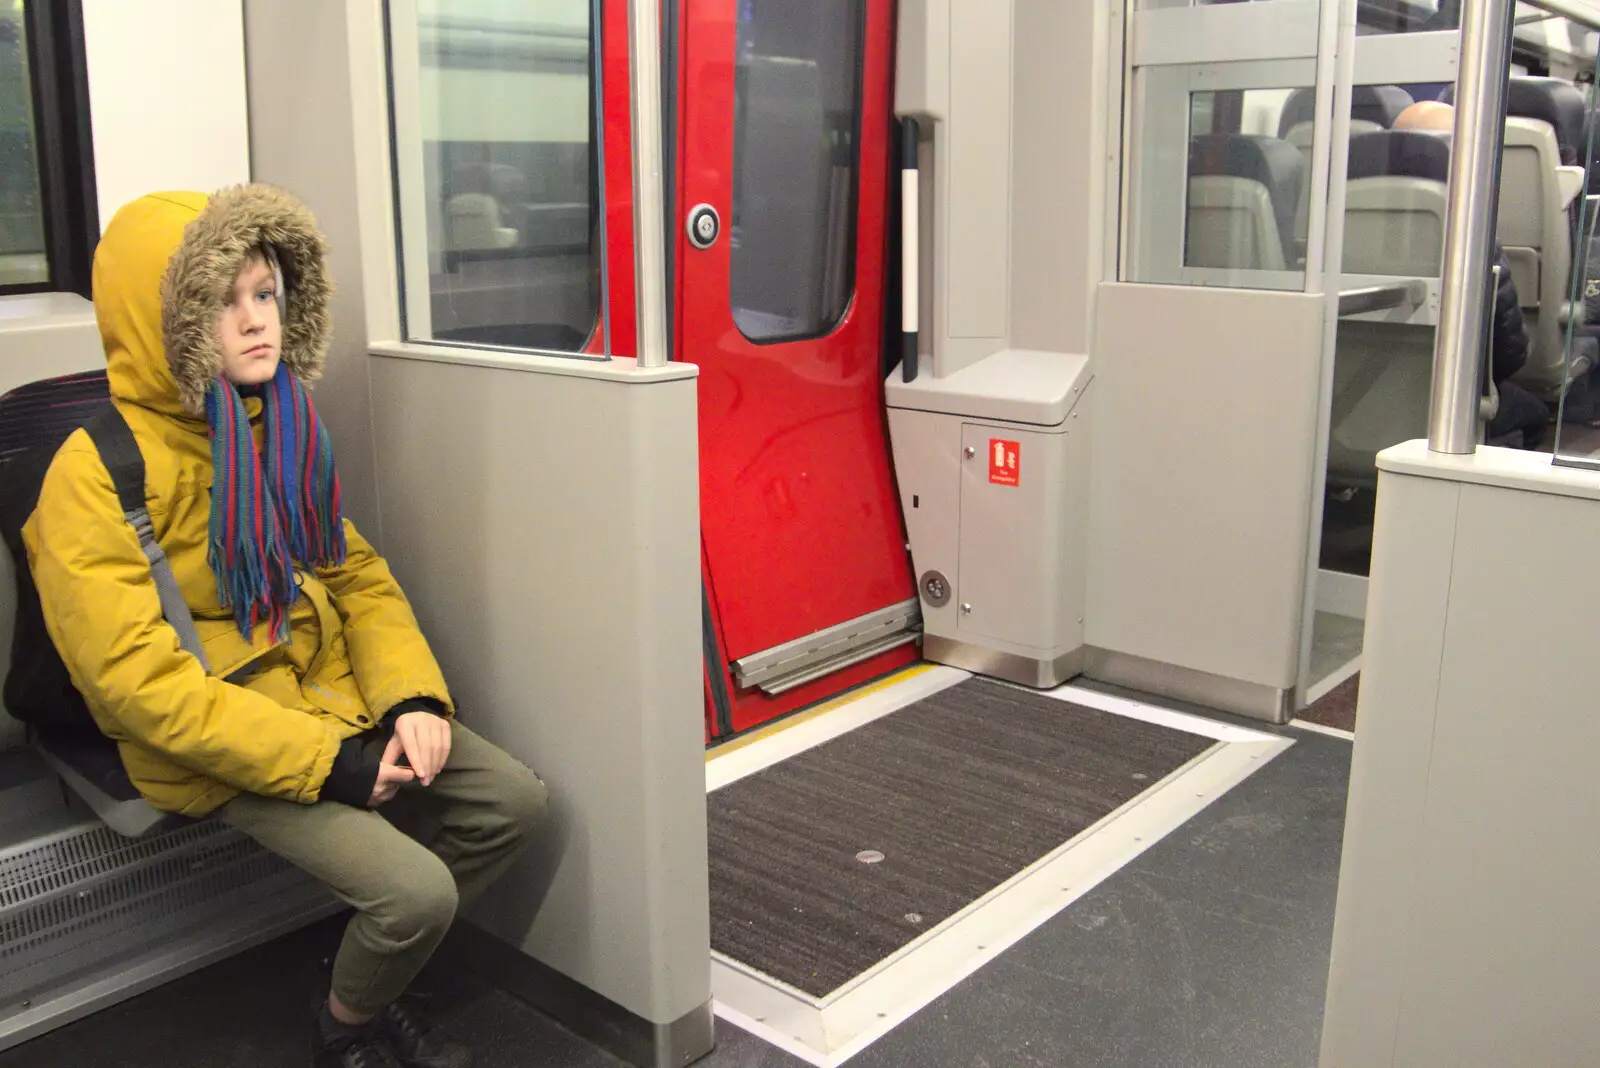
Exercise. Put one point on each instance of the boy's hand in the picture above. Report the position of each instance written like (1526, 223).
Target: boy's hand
(390, 776)
(425, 739)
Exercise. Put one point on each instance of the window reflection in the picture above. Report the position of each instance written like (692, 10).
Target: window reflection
(508, 169)
(1578, 415)
(23, 261)
(796, 116)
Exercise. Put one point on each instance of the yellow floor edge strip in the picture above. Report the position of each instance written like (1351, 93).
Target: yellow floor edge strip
(817, 710)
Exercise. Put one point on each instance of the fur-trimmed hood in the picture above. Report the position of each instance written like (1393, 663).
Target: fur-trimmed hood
(165, 269)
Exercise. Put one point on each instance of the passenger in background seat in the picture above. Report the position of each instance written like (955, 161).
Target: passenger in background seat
(1521, 419)
(323, 702)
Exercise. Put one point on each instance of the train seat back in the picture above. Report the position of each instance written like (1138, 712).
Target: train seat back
(1395, 201)
(1372, 108)
(1382, 378)
(1242, 190)
(1394, 225)
(1539, 178)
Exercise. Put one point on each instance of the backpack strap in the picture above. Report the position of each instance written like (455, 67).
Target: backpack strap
(120, 453)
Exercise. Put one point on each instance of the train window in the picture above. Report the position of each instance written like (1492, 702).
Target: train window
(496, 169)
(48, 218)
(23, 260)
(797, 111)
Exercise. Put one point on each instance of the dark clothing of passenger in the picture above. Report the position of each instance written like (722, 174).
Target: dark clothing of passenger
(1509, 344)
(1521, 418)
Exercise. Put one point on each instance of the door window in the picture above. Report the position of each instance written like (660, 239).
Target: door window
(797, 110)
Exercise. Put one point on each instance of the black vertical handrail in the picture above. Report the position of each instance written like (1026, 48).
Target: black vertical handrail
(910, 218)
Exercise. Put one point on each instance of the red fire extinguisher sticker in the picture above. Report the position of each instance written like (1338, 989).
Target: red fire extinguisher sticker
(1005, 462)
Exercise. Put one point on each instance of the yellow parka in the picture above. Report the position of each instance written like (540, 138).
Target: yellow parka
(267, 718)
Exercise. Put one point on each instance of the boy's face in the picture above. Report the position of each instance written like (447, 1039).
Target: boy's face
(248, 328)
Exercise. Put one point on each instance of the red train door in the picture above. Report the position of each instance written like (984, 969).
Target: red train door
(783, 160)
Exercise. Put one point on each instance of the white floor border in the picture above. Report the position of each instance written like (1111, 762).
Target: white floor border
(1317, 728)
(829, 1031)
(1341, 674)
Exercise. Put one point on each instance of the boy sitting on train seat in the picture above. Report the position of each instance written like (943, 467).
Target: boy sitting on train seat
(323, 703)
(1521, 419)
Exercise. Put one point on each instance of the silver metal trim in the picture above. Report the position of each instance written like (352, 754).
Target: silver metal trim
(1469, 221)
(1022, 670)
(1254, 700)
(649, 197)
(1381, 298)
(1571, 10)
(829, 666)
(293, 904)
(830, 643)
(585, 1012)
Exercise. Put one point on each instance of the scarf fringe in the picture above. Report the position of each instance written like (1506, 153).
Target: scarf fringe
(271, 510)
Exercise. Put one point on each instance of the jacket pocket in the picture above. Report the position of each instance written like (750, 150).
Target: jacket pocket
(228, 655)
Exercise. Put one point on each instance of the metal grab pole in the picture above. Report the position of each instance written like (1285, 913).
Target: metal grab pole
(649, 210)
(1469, 224)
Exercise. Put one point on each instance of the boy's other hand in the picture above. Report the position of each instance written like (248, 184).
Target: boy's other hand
(425, 739)
(390, 776)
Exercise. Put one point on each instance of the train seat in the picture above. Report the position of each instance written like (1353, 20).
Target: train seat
(1372, 108)
(1395, 201)
(1539, 180)
(1242, 190)
(475, 224)
(1394, 225)
(88, 765)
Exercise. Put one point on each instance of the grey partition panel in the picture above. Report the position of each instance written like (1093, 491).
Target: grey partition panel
(546, 527)
(1466, 934)
(303, 137)
(1201, 481)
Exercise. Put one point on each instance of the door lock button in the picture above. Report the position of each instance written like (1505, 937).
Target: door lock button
(703, 225)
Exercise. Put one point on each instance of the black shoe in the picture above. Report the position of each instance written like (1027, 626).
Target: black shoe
(417, 1042)
(352, 1048)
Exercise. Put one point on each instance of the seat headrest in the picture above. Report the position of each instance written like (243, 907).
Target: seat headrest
(1274, 163)
(1401, 154)
(1548, 100)
(1380, 104)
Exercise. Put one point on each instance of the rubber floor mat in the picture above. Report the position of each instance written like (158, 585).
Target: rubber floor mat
(830, 861)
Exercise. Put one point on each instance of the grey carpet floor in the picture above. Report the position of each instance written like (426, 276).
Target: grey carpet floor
(957, 793)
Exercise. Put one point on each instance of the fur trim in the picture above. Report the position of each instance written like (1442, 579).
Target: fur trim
(200, 276)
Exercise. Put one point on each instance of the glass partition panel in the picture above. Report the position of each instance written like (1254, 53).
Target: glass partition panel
(1221, 185)
(497, 172)
(1396, 191)
(1218, 159)
(1577, 437)
(1170, 5)
(1407, 16)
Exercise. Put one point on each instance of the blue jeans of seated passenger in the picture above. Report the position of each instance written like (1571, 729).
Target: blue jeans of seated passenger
(483, 807)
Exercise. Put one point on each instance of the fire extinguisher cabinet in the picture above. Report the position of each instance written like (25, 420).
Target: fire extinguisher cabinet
(993, 467)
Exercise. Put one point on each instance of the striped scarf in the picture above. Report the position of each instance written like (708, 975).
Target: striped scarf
(261, 526)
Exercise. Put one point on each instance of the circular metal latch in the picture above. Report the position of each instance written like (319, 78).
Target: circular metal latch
(935, 589)
(704, 225)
